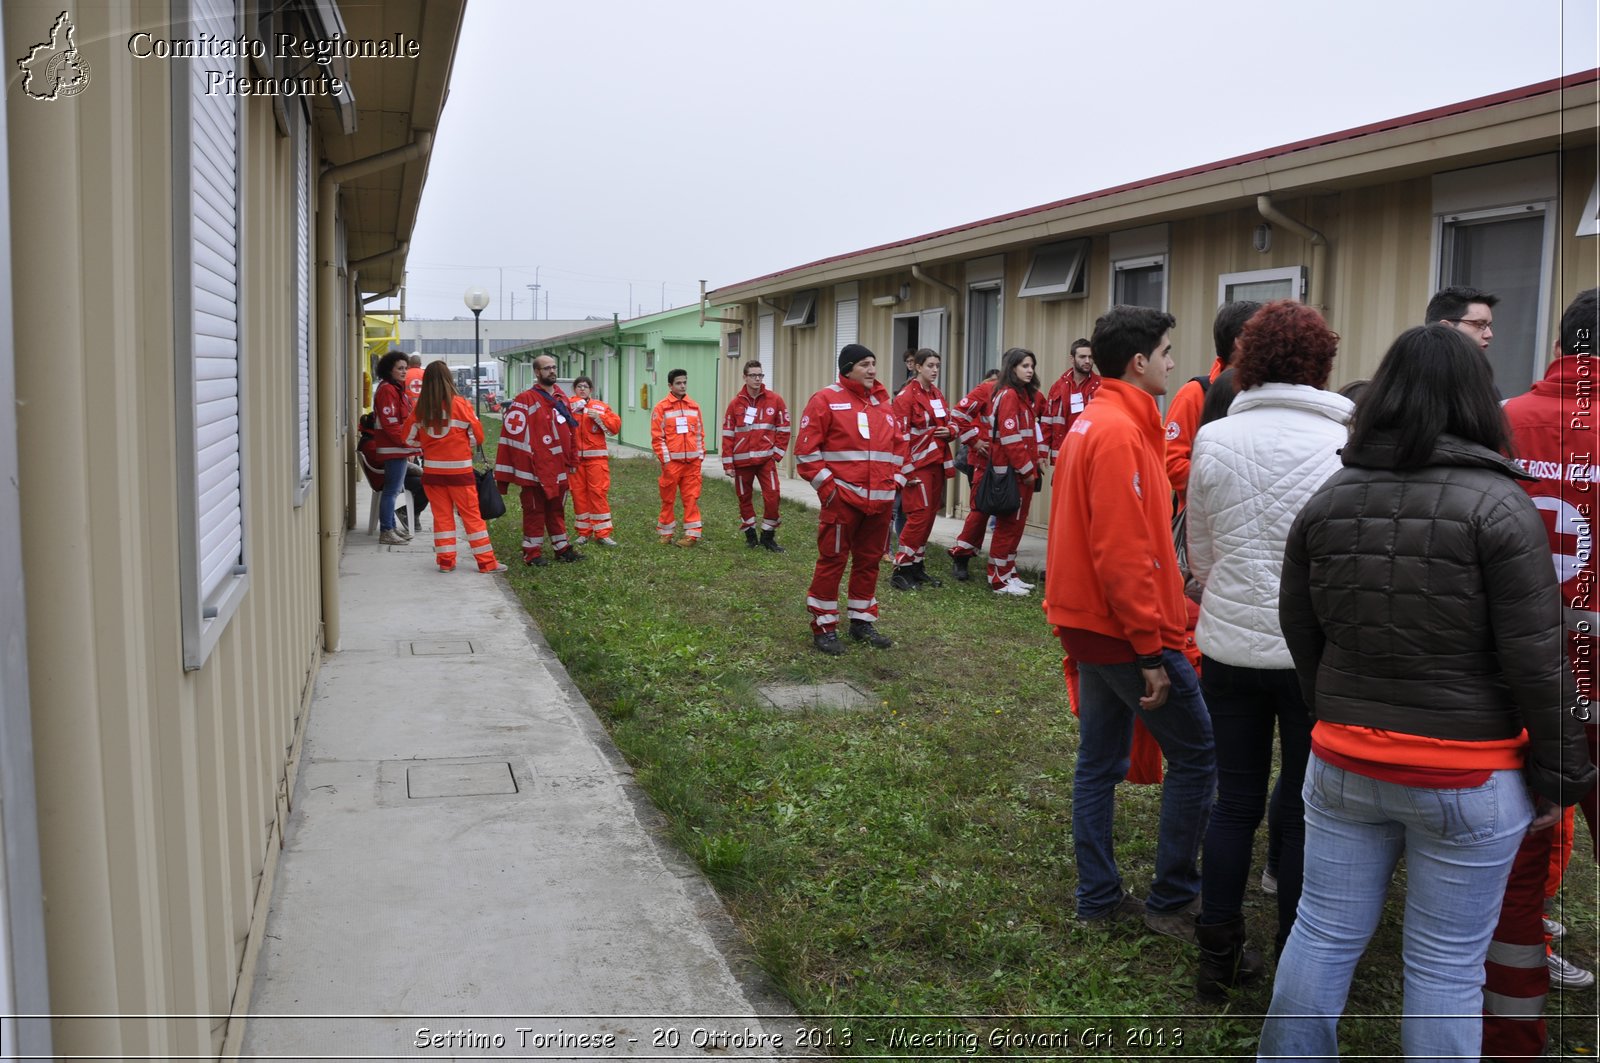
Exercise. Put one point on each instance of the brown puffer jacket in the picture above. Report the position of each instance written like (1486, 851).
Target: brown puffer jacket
(1423, 601)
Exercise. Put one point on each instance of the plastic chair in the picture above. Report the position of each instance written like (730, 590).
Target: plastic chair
(374, 476)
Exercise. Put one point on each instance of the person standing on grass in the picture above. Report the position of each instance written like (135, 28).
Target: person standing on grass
(446, 429)
(926, 421)
(851, 449)
(1553, 437)
(592, 421)
(1251, 473)
(536, 453)
(971, 423)
(1425, 622)
(1015, 447)
(1115, 597)
(678, 438)
(755, 436)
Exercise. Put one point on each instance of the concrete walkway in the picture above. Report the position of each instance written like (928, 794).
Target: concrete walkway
(469, 869)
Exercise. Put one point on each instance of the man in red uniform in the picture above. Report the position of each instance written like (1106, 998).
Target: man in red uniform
(536, 453)
(1553, 435)
(1069, 395)
(1183, 416)
(414, 377)
(592, 420)
(755, 435)
(970, 419)
(925, 419)
(678, 437)
(851, 448)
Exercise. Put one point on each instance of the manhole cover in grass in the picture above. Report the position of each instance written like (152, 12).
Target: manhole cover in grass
(816, 697)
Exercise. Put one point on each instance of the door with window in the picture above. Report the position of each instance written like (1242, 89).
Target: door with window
(1506, 252)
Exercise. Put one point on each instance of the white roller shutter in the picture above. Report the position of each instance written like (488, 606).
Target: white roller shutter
(930, 330)
(846, 323)
(765, 342)
(302, 281)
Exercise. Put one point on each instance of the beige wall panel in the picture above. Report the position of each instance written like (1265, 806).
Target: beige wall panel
(1578, 264)
(1380, 256)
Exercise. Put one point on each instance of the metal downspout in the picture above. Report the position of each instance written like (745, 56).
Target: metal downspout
(330, 356)
(952, 500)
(721, 320)
(1319, 250)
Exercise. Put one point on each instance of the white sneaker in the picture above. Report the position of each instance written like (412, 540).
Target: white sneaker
(1564, 975)
(582, 540)
(1554, 929)
(608, 541)
(1269, 882)
(1024, 584)
(1013, 588)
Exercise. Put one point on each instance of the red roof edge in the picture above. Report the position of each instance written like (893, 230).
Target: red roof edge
(1560, 84)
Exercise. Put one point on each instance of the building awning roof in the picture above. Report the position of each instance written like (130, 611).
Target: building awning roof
(1518, 122)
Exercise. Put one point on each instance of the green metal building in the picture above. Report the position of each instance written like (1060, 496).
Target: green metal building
(629, 362)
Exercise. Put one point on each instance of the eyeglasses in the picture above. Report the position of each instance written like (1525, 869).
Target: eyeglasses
(1473, 322)
(755, 376)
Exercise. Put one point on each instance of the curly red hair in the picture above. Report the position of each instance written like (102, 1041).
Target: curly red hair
(1285, 342)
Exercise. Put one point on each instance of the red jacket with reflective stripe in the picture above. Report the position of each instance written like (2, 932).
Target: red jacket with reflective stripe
(535, 443)
(447, 450)
(851, 441)
(1012, 415)
(754, 431)
(1554, 437)
(1066, 400)
(922, 411)
(589, 437)
(391, 407)
(971, 414)
(670, 444)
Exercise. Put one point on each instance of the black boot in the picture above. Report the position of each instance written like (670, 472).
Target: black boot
(769, 541)
(828, 642)
(750, 538)
(959, 564)
(863, 631)
(902, 579)
(919, 572)
(1225, 960)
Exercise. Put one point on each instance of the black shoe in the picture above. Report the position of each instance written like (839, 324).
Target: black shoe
(863, 631)
(1226, 960)
(959, 565)
(569, 555)
(769, 541)
(537, 561)
(828, 642)
(919, 572)
(902, 581)
(750, 539)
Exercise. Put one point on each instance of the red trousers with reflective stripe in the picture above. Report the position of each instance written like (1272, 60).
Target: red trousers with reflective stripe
(541, 514)
(919, 500)
(680, 477)
(591, 508)
(844, 533)
(745, 477)
(970, 541)
(445, 500)
(1007, 537)
(1516, 979)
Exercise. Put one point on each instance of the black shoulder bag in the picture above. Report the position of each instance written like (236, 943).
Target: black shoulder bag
(997, 493)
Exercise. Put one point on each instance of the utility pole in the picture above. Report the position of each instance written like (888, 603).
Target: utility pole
(663, 296)
(534, 288)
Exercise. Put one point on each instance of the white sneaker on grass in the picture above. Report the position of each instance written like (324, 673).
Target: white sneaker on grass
(1013, 588)
(1554, 929)
(1564, 975)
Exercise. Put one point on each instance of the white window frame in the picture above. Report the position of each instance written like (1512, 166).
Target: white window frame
(1127, 265)
(205, 610)
(1443, 223)
(1294, 274)
(802, 312)
(300, 153)
(1076, 285)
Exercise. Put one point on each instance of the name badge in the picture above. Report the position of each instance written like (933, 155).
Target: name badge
(862, 426)
(749, 415)
(683, 426)
(1077, 403)
(938, 407)
(838, 405)
(1038, 434)
(560, 419)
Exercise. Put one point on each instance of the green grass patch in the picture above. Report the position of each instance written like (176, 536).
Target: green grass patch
(912, 861)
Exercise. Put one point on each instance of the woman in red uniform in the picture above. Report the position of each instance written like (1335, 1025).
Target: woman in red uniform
(1012, 422)
(926, 419)
(446, 429)
(391, 406)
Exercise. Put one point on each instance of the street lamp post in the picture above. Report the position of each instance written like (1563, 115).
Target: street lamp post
(476, 299)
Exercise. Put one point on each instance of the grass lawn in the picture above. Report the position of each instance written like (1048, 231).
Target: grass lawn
(907, 868)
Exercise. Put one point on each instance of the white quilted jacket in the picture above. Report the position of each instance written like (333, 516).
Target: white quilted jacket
(1251, 473)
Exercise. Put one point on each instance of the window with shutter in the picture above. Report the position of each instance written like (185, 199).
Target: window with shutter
(846, 323)
(206, 287)
(765, 333)
(302, 292)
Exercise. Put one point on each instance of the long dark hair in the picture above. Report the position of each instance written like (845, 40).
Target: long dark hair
(1008, 373)
(1431, 382)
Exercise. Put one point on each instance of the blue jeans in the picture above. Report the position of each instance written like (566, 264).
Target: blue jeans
(394, 481)
(1458, 846)
(1247, 705)
(1110, 696)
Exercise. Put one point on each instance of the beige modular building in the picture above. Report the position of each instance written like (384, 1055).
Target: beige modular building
(1498, 192)
(191, 232)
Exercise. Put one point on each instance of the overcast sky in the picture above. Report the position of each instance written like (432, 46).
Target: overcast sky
(630, 147)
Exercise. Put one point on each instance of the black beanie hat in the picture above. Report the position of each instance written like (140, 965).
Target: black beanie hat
(850, 355)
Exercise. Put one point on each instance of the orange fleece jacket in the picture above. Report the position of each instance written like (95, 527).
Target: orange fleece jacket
(1183, 421)
(1111, 567)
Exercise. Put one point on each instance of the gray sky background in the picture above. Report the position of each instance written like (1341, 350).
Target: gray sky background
(633, 146)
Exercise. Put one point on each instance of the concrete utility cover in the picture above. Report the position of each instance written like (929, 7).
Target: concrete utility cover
(816, 697)
(460, 780)
(440, 649)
